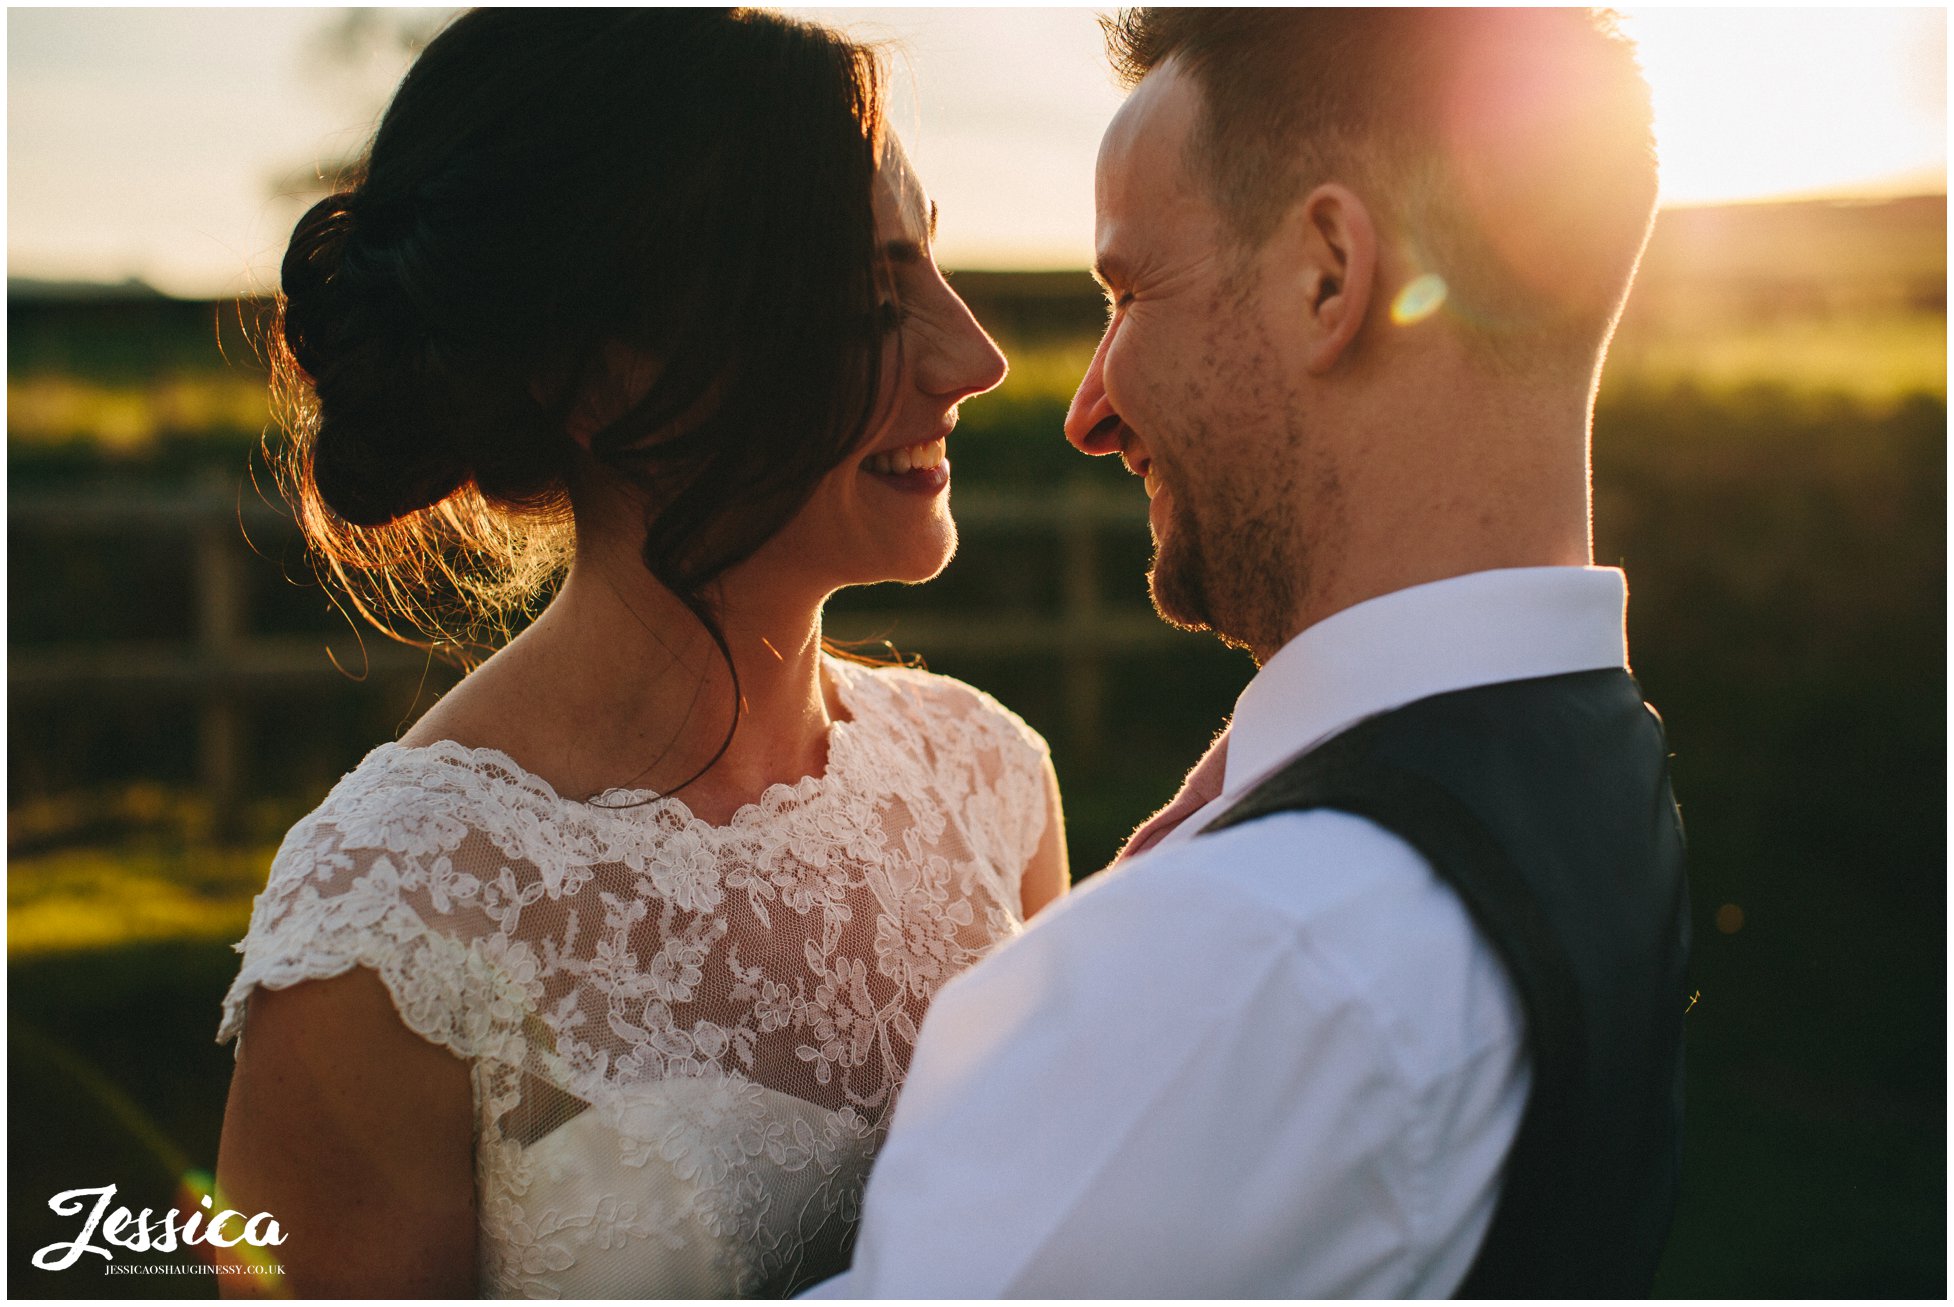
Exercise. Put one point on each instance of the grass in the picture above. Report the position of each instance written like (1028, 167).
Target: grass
(1876, 360)
(1873, 361)
(97, 898)
(1879, 361)
(126, 418)
(1045, 371)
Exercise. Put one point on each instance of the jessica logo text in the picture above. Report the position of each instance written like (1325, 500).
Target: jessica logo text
(126, 1230)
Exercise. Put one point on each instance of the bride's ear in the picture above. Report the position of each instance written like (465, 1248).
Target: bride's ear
(607, 389)
(1334, 253)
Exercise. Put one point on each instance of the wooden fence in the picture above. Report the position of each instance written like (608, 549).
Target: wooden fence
(226, 661)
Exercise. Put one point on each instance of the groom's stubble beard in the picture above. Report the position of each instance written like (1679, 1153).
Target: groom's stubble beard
(1230, 561)
(1177, 576)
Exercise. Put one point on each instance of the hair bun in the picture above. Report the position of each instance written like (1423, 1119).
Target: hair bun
(380, 451)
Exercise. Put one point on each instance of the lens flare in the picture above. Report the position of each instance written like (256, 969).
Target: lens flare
(1421, 297)
(193, 1186)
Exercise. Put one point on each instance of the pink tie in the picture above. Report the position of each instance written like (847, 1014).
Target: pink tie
(1201, 787)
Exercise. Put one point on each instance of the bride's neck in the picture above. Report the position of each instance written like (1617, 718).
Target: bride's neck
(630, 691)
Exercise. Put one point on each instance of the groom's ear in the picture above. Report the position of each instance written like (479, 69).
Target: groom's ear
(1334, 253)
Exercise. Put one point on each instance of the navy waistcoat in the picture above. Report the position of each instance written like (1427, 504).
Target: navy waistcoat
(1545, 804)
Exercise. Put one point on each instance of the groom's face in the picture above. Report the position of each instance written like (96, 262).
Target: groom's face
(1188, 384)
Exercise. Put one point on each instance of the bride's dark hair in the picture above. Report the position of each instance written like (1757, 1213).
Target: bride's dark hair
(549, 187)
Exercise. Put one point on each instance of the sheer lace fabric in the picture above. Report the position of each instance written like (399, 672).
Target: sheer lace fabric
(684, 1039)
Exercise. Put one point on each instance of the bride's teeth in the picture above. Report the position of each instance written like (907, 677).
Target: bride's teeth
(908, 458)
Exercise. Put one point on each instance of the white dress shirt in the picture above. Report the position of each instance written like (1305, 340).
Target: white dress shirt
(1277, 1060)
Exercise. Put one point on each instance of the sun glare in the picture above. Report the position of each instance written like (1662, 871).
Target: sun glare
(1755, 103)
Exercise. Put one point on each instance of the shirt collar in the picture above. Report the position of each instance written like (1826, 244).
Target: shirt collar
(1479, 629)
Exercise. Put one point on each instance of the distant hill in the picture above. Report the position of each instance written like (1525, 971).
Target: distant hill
(69, 292)
(1771, 262)
(122, 335)
(1829, 240)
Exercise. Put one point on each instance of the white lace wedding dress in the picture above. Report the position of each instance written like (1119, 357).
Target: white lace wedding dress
(685, 1039)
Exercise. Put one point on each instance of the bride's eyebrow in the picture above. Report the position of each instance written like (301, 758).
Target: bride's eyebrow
(905, 250)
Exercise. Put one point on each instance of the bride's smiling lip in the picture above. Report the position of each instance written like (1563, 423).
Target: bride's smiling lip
(916, 466)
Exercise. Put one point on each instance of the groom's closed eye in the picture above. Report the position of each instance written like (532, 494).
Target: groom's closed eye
(1113, 279)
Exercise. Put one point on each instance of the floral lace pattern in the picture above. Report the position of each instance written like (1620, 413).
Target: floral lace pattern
(685, 1040)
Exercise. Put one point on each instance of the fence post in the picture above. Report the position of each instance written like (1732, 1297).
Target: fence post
(1085, 665)
(220, 627)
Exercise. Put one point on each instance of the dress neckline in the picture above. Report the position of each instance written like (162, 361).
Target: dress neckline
(617, 799)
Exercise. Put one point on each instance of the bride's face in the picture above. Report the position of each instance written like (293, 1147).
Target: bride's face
(884, 513)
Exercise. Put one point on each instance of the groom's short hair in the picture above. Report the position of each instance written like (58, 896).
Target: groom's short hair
(1509, 152)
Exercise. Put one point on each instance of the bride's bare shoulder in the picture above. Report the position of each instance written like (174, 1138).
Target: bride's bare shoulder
(483, 710)
(503, 706)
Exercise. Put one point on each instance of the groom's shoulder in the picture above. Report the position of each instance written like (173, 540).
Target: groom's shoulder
(1330, 898)
(1297, 870)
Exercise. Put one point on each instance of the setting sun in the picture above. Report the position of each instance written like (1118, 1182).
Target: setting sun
(1757, 103)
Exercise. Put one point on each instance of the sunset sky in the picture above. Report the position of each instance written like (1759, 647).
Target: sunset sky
(164, 144)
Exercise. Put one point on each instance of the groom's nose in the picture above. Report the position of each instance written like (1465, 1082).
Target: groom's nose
(1091, 409)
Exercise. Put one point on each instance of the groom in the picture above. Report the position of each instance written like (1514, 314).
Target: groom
(1389, 1002)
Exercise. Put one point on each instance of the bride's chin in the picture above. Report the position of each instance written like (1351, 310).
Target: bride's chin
(928, 558)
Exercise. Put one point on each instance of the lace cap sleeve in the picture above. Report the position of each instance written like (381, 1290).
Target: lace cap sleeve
(987, 759)
(378, 877)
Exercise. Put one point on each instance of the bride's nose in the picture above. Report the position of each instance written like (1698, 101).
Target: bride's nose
(963, 360)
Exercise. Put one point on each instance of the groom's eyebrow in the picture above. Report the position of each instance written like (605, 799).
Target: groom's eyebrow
(1110, 273)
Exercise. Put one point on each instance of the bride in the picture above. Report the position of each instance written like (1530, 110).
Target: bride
(602, 981)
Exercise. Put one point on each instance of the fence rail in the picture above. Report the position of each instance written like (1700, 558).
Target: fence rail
(226, 663)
